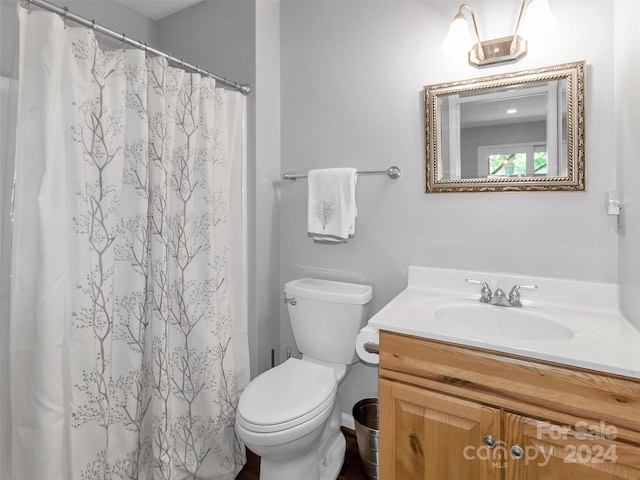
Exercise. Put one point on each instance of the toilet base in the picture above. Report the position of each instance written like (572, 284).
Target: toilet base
(312, 450)
(308, 466)
(334, 459)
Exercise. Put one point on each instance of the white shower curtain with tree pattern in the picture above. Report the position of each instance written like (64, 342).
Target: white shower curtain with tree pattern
(128, 333)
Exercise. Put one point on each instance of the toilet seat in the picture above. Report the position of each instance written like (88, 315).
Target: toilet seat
(286, 396)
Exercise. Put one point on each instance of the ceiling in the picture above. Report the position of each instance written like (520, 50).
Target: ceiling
(158, 9)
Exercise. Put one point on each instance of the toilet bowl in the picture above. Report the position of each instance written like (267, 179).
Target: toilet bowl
(286, 414)
(290, 415)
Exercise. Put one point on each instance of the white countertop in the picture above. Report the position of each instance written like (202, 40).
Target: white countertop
(602, 340)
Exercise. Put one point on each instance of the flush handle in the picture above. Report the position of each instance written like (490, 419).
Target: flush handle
(291, 301)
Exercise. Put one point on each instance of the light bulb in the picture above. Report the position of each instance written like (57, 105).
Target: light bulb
(458, 41)
(539, 20)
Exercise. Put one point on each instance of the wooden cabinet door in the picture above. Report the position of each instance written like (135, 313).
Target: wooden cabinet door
(425, 435)
(558, 452)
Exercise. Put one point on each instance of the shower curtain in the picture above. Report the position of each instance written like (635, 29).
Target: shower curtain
(128, 329)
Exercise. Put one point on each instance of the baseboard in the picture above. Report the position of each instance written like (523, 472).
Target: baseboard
(348, 422)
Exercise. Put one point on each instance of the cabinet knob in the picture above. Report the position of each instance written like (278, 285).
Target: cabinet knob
(489, 441)
(517, 452)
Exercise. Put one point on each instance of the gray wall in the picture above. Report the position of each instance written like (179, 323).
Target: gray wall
(216, 35)
(268, 154)
(118, 17)
(352, 74)
(627, 101)
(8, 38)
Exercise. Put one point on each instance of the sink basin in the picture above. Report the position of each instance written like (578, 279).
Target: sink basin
(502, 322)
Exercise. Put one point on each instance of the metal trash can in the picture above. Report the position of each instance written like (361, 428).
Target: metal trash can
(366, 416)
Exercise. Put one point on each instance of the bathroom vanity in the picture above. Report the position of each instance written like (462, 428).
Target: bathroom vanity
(453, 412)
(550, 390)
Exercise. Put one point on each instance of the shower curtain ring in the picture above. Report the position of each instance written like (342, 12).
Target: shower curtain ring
(29, 5)
(124, 41)
(93, 25)
(66, 17)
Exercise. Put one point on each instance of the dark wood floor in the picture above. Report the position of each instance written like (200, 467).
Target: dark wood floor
(352, 469)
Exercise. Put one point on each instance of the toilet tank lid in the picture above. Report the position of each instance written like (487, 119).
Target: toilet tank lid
(329, 291)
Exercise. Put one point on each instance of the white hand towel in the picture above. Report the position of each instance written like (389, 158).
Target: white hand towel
(332, 204)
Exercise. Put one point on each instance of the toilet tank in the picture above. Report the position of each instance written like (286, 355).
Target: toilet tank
(326, 317)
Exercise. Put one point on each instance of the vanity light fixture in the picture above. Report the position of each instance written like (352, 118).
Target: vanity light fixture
(534, 20)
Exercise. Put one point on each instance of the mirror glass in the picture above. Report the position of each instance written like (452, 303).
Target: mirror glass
(520, 131)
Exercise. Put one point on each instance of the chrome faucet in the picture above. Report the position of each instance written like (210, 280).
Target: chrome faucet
(499, 298)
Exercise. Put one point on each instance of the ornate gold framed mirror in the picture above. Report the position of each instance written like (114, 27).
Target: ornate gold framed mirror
(521, 131)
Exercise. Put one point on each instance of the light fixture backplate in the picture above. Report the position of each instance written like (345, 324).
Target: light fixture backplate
(498, 51)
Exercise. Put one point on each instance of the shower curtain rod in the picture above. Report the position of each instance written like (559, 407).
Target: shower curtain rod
(67, 15)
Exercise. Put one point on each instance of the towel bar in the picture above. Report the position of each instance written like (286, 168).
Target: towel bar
(393, 172)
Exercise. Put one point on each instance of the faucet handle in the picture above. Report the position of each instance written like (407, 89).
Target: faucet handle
(514, 294)
(485, 292)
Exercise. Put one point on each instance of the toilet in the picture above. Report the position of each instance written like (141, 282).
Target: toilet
(290, 415)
